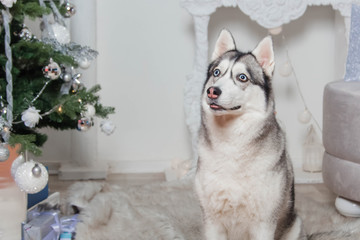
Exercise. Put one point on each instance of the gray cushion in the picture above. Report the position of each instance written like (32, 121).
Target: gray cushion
(342, 176)
(341, 120)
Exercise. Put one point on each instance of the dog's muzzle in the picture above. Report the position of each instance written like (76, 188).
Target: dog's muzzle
(213, 94)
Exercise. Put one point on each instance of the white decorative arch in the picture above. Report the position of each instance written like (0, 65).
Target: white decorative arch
(267, 13)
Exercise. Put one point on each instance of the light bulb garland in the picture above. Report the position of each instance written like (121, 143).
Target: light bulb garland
(312, 145)
(305, 116)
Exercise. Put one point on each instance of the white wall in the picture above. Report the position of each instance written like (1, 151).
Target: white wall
(311, 44)
(147, 49)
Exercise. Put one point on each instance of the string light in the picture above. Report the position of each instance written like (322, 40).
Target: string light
(306, 115)
(60, 109)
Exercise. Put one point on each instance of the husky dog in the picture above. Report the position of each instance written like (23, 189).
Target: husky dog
(244, 179)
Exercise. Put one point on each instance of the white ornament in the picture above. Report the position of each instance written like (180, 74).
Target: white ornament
(275, 31)
(60, 33)
(4, 152)
(27, 181)
(16, 163)
(107, 127)
(286, 69)
(304, 117)
(8, 3)
(90, 111)
(31, 117)
(84, 63)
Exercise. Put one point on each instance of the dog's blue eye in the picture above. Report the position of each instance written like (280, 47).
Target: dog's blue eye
(242, 77)
(216, 72)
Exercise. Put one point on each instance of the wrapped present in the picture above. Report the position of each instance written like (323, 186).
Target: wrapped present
(43, 225)
(68, 227)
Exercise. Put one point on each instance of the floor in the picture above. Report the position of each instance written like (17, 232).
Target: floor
(56, 185)
(313, 190)
(313, 200)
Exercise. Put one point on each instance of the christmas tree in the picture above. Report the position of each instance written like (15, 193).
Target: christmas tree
(39, 84)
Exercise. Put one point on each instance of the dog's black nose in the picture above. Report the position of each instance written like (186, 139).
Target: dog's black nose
(213, 92)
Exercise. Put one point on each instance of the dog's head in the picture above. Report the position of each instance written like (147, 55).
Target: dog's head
(238, 82)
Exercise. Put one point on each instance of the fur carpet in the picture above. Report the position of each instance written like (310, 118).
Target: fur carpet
(170, 210)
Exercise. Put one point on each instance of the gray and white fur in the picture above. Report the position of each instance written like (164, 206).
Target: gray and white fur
(244, 180)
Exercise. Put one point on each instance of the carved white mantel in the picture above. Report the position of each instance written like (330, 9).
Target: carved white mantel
(269, 14)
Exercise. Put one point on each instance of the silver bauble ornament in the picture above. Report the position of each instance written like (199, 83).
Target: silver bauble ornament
(25, 34)
(36, 170)
(66, 77)
(70, 9)
(27, 181)
(4, 152)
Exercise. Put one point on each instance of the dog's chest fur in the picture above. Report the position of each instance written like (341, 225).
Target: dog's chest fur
(235, 180)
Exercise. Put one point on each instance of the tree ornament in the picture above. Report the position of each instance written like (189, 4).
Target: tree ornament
(8, 3)
(84, 124)
(66, 73)
(27, 180)
(90, 111)
(25, 33)
(76, 84)
(61, 33)
(305, 116)
(5, 131)
(52, 70)
(70, 9)
(16, 163)
(58, 32)
(4, 152)
(107, 127)
(31, 117)
(36, 170)
(3, 109)
(286, 69)
(84, 63)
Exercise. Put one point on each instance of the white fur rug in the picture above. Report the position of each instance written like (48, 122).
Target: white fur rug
(170, 210)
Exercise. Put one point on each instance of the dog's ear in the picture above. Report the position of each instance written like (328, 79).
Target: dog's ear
(264, 54)
(224, 43)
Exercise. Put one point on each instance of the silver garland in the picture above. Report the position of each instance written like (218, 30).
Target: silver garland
(9, 87)
(72, 49)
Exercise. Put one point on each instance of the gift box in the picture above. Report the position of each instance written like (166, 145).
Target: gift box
(45, 226)
(68, 227)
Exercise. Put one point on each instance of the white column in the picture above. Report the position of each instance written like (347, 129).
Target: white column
(84, 163)
(195, 81)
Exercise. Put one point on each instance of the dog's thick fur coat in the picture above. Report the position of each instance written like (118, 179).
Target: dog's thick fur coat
(244, 179)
